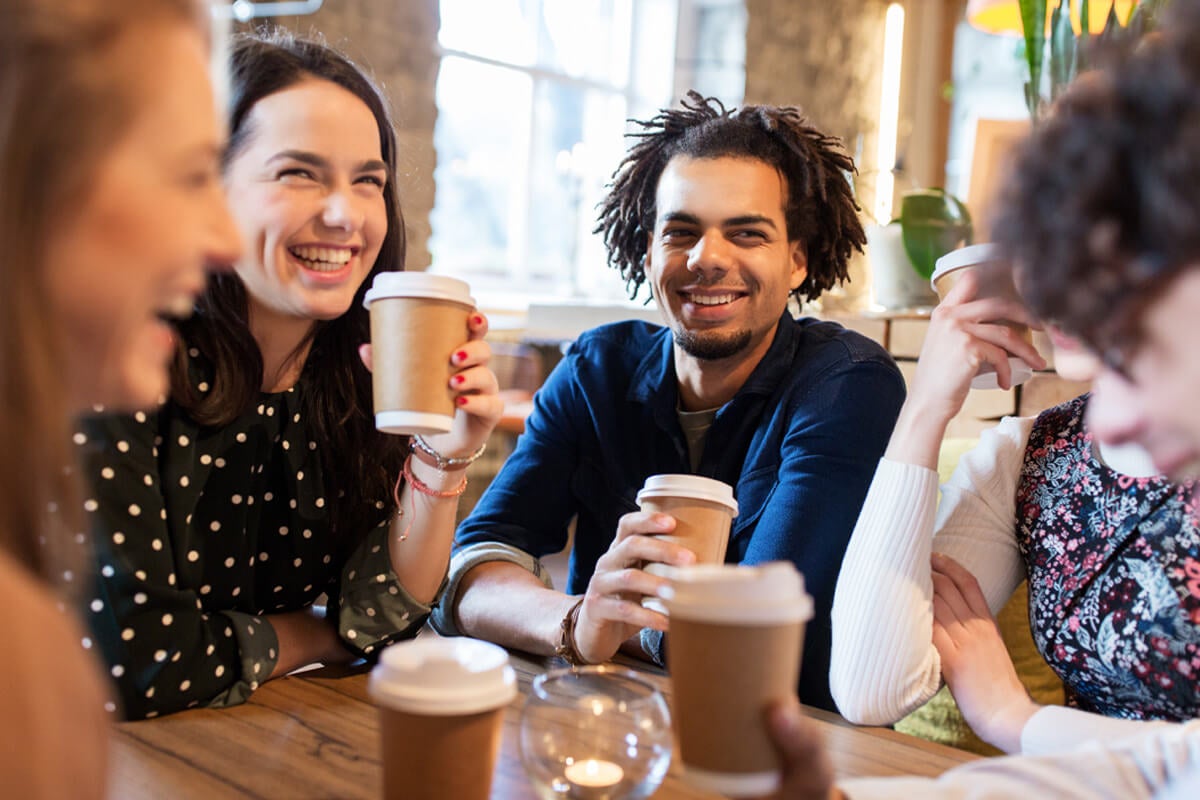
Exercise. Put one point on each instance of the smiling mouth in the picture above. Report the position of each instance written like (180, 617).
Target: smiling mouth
(322, 259)
(709, 299)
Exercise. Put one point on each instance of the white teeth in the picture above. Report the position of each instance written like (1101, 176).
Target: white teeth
(712, 299)
(179, 307)
(322, 259)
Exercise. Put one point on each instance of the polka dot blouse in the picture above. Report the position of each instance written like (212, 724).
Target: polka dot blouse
(202, 533)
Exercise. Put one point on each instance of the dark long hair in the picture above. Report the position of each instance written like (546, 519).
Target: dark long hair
(820, 211)
(360, 464)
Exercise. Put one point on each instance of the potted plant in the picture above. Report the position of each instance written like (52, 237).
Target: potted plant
(931, 223)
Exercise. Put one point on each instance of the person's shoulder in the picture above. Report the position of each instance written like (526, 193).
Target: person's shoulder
(628, 337)
(827, 343)
(823, 334)
(57, 702)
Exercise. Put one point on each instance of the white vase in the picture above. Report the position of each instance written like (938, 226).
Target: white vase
(895, 284)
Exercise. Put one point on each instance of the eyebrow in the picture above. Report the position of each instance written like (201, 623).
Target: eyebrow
(747, 219)
(305, 157)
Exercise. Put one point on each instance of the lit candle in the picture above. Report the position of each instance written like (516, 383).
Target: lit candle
(594, 773)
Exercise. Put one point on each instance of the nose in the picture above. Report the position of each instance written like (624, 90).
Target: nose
(710, 257)
(1116, 411)
(340, 212)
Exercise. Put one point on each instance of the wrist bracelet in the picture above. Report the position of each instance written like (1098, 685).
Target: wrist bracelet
(421, 449)
(567, 649)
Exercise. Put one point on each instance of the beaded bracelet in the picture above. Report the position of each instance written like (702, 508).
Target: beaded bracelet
(418, 485)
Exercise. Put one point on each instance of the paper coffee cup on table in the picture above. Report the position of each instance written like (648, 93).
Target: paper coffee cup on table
(442, 705)
(417, 321)
(995, 279)
(703, 509)
(734, 649)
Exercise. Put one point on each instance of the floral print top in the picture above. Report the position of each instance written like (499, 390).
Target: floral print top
(1114, 575)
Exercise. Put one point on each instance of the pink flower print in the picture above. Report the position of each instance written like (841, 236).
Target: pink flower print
(1191, 568)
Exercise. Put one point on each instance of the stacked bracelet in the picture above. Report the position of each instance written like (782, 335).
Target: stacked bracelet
(421, 449)
(418, 485)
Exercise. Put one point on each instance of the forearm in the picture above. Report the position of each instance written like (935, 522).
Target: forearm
(503, 603)
(305, 638)
(883, 663)
(423, 532)
(917, 437)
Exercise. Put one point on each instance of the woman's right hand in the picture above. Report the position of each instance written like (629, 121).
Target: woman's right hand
(962, 337)
(612, 608)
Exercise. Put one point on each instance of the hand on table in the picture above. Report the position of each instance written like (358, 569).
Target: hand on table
(476, 393)
(807, 774)
(612, 608)
(975, 661)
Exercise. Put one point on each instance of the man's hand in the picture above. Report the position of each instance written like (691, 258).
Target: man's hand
(975, 662)
(612, 608)
(807, 774)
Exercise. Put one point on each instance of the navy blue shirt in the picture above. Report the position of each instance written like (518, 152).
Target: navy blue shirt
(799, 442)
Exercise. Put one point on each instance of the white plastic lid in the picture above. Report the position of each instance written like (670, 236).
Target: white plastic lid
(437, 676)
(418, 284)
(692, 486)
(967, 256)
(766, 594)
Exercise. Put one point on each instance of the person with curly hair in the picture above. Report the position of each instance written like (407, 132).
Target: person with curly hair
(1099, 218)
(723, 215)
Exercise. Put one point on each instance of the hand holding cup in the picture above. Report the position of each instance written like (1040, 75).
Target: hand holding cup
(612, 611)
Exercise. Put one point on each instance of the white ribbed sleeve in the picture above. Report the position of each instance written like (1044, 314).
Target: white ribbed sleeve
(884, 664)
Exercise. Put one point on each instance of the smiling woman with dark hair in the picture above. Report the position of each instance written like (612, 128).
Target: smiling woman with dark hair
(262, 484)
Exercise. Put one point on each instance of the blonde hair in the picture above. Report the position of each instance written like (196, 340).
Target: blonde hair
(61, 107)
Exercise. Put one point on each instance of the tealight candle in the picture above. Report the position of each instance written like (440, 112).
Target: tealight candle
(594, 773)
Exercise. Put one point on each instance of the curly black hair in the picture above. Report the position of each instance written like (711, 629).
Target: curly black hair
(1101, 208)
(821, 211)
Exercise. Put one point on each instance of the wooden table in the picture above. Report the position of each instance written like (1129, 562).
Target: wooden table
(316, 735)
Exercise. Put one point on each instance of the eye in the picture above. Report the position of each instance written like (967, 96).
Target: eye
(749, 236)
(677, 234)
(372, 180)
(295, 174)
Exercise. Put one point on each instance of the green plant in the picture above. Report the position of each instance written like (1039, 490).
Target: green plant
(1068, 50)
(932, 223)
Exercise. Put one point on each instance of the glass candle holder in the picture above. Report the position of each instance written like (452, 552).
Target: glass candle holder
(595, 733)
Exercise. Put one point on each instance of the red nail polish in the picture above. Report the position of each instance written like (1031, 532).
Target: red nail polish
(477, 320)
(461, 355)
(462, 401)
(458, 380)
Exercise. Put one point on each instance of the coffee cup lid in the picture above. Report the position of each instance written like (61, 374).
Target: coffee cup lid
(437, 676)
(764, 594)
(692, 486)
(418, 284)
(964, 257)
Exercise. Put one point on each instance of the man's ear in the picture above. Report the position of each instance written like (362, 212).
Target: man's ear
(799, 258)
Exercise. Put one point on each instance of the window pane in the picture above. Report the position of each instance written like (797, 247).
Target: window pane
(482, 140)
(504, 30)
(587, 39)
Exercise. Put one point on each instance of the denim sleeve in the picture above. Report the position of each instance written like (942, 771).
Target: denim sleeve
(528, 506)
(838, 427)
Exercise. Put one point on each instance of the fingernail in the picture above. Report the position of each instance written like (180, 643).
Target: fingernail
(461, 355)
(477, 320)
(458, 380)
(665, 592)
(462, 401)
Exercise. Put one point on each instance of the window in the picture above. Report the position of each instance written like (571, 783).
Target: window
(533, 97)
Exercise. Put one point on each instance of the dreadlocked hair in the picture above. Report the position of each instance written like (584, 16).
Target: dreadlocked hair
(820, 209)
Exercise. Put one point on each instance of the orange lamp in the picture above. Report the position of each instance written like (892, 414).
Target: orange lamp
(1004, 16)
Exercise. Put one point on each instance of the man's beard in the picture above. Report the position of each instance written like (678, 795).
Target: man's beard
(711, 346)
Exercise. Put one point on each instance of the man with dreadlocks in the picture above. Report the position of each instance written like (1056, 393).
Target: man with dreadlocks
(724, 215)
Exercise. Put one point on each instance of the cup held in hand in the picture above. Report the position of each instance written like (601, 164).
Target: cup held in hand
(703, 509)
(995, 279)
(417, 321)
